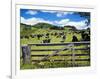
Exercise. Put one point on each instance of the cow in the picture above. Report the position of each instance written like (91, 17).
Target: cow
(74, 38)
(27, 37)
(21, 37)
(32, 36)
(85, 36)
(46, 41)
(47, 35)
(49, 40)
(63, 38)
(39, 36)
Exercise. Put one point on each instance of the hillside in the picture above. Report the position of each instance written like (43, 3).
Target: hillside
(46, 25)
(43, 25)
(73, 28)
(24, 27)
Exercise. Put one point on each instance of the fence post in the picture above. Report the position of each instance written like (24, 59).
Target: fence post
(73, 55)
(26, 54)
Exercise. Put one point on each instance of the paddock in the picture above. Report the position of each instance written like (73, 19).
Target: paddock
(51, 55)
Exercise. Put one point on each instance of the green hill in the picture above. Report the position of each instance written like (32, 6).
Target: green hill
(73, 28)
(43, 25)
(24, 27)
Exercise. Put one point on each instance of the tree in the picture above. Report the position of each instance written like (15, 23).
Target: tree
(85, 15)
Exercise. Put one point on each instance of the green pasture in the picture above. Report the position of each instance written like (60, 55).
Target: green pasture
(51, 64)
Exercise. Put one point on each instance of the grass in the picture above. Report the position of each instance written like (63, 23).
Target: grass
(51, 64)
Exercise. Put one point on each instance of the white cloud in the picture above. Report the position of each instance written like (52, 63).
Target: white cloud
(63, 22)
(33, 21)
(58, 14)
(61, 14)
(31, 12)
(46, 11)
(79, 24)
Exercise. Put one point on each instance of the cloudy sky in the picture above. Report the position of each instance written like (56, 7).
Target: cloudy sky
(32, 17)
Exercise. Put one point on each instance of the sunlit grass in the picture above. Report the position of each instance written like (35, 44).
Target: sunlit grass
(51, 64)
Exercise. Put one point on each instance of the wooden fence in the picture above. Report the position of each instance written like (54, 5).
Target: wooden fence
(26, 52)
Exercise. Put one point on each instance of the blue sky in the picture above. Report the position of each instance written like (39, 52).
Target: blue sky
(59, 18)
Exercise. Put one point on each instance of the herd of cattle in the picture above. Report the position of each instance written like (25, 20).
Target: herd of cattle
(84, 37)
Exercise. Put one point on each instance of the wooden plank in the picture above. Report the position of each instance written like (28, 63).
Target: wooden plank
(60, 60)
(61, 44)
(37, 50)
(60, 55)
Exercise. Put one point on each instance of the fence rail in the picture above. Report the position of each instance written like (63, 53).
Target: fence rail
(26, 52)
(61, 44)
(61, 55)
(37, 50)
(61, 60)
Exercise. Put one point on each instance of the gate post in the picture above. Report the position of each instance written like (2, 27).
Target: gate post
(73, 55)
(26, 54)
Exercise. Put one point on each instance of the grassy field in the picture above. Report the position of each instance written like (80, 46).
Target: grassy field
(52, 64)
